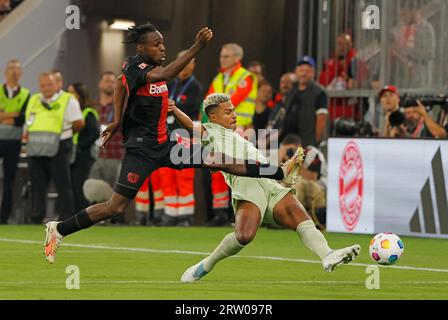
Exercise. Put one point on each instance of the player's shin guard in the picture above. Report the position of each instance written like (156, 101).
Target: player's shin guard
(313, 239)
(73, 224)
(229, 246)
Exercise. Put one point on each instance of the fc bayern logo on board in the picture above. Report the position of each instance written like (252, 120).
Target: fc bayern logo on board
(351, 185)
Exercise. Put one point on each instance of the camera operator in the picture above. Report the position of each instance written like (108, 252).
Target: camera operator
(433, 129)
(443, 121)
(413, 121)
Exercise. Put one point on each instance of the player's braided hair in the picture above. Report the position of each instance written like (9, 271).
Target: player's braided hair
(213, 100)
(136, 34)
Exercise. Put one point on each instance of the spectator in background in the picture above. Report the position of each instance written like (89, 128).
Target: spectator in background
(278, 112)
(13, 102)
(434, 130)
(390, 102)
(240, 84)
(242, 87)
(410, 122)
(306, 106)
(262, 111)
(59, 78)
(443, 120)
(51, 119)
(344, 71)
(337, 73)
(86, 151)
(287, 81)
(178, 185)
(104, 172)
(311, 189)
(5, 8)
(414, 50)
(417, 124)
(259, 70)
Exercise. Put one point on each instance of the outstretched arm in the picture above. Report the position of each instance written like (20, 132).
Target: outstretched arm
(184, 120)
(239, 167)
(170, 72)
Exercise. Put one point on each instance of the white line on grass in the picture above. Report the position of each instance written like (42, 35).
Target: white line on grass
(260, 282)
(147, 250)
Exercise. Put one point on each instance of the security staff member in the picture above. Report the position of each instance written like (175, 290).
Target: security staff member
(13, 101)
(51, 119)
(236, 81)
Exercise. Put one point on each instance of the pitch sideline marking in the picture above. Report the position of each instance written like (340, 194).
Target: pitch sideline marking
(147, 250)
(265, 282)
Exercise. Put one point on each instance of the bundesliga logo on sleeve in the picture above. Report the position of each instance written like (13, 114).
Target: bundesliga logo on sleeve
(142, 65)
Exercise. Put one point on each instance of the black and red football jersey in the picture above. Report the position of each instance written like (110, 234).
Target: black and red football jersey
(144, 121)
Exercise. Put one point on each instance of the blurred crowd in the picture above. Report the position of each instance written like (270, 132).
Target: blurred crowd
(298, 112)
(6, 6)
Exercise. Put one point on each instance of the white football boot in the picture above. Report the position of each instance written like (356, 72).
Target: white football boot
(339, 256)
(53, 240)
(292, 167)
(194, 273)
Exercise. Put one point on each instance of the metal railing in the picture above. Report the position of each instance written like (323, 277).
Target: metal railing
(408, 49)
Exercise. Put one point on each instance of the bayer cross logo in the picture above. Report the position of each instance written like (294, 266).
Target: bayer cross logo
(133, 177)
(371, 18)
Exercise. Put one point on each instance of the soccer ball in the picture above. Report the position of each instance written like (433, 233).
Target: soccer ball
(386, 248)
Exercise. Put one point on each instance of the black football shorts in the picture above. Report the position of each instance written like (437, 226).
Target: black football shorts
(139, 162)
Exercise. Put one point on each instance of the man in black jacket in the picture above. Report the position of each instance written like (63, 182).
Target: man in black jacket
(306, 106)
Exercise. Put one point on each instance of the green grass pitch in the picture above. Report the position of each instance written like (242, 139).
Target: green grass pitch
(147, 262)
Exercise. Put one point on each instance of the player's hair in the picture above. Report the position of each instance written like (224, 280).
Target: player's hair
(136, 34)
(236, 48)
(213, 101)
(292, 139)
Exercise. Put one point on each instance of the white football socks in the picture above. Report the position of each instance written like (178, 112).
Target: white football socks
(229, 246)
(313, 239)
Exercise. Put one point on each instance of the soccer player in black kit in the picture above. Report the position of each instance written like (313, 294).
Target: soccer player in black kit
(146, 138)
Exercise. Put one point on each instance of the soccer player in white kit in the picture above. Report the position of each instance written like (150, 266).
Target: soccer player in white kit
(254, 200)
